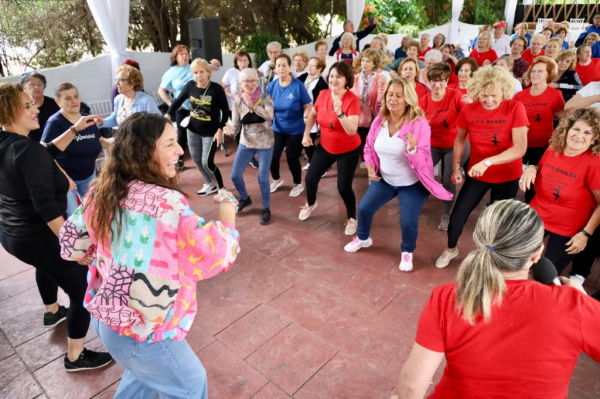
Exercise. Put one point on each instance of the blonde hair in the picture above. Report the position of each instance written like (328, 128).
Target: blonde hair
(491, 76)
(591, 116)
(384, 37)
(522, 25)
(353, 40)
(557, 41)
(133, 75)
(274, 46)
(593, 34)
(414, 61)
(508, 233)
(10, 102)
(539, 37)
(301, 53)
(201, 63)
(412, 110)
(490, 38)
(568, 54)
(375, 56)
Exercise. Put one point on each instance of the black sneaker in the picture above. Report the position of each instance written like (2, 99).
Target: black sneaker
(254, 163)
(265, 217)
(52, 319)
(88, 360)
(244, 203)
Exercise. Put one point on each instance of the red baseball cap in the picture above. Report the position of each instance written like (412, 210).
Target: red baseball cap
(500, 24)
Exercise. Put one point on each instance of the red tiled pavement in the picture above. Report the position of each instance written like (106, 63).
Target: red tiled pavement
(295, 317)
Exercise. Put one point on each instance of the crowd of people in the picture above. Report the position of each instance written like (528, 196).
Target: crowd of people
(519, 113)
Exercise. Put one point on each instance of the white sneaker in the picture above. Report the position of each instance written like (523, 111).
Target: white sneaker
(351, 227)
(357, 244)
(305, 168)
(325, 174)
(296, 190)
(445, 258)
(275, 184)
(363, 165)
(306, 210)
(436, 170)
(406, 263)
(207, 189)
(578, 278)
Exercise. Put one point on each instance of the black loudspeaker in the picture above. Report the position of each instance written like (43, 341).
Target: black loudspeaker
(205, 38)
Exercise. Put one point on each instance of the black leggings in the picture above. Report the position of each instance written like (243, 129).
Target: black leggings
(469, 197)
(363, 132)
(181, 131)
(555, 251)
(532, 157)
(293, 148)
(346, 166)
(583, 262)
(43, 253)
(311, 150)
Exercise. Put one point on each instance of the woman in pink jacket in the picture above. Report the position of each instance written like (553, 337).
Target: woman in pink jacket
(368, 87)
(398, 158)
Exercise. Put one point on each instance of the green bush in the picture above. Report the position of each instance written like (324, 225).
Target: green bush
(257, 44)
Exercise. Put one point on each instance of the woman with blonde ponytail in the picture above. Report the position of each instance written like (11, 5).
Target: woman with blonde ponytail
(503, 335)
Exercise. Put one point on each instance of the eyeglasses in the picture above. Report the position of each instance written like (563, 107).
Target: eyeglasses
(249, 81)
(437, 81)
(121, 80)
(36, 85)
(537, 71)
(568, 61)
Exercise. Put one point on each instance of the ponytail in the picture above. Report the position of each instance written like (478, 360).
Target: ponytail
(507, 235)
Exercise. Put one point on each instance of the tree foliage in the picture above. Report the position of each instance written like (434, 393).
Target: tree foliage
(46, 33)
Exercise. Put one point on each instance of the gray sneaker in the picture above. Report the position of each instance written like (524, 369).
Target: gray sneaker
(444, 222)
(445, 258)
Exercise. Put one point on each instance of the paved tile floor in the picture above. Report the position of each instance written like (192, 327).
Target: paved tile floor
(295, 317)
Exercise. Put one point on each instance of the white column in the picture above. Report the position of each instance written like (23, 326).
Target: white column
(112, 18)
(509, 13)
(457, 7)
(354, 11)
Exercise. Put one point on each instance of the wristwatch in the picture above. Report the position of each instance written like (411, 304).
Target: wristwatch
(341, 115)
(487, 162)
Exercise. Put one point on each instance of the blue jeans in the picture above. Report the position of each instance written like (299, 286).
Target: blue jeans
(412, 198)
(169, 368)
(243, 156)
(82, 188)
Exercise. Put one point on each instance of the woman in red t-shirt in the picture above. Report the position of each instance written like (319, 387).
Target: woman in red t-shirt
(567, 185)
(484, 54)
(337, 111)
(587, 68)
(497, 129)
(538, 42)
(542, 103)
(409, 70)
(441, 108)
(503, 336)
(464, 69)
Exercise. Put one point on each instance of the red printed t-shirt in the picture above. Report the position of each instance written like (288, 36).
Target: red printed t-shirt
(589, 73)
(490, 133)
(334, 138)
(540, 112)
(456, 86)
(563, 191)
(527, 56)
(528, 349)
(489, 55)
(421, 54)
(442, 117)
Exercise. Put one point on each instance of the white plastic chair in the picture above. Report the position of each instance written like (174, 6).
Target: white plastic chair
(102, 108)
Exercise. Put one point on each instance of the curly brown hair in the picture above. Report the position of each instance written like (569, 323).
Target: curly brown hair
(130, 158)
(10, 102)
(591, 116)
(134, 76)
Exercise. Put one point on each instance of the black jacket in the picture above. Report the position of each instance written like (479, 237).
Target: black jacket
(321, 85)
(358, 35)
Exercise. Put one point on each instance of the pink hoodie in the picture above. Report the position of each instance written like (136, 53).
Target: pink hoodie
(420, 161)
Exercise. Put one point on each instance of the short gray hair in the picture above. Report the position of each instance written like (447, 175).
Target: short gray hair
(248, 73)
(274, 46)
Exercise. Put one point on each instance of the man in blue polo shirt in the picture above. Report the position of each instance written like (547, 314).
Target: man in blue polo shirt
(593, 28)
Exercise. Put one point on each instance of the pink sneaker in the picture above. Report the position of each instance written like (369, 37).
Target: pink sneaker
(357, 244)
(406, 264)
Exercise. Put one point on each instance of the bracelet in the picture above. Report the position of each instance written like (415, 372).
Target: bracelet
(229, 198)
(73, 130)
(585, 233)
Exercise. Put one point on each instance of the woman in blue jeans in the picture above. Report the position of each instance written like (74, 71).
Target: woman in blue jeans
(398, 157)
(253, 113)
(78, 137)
